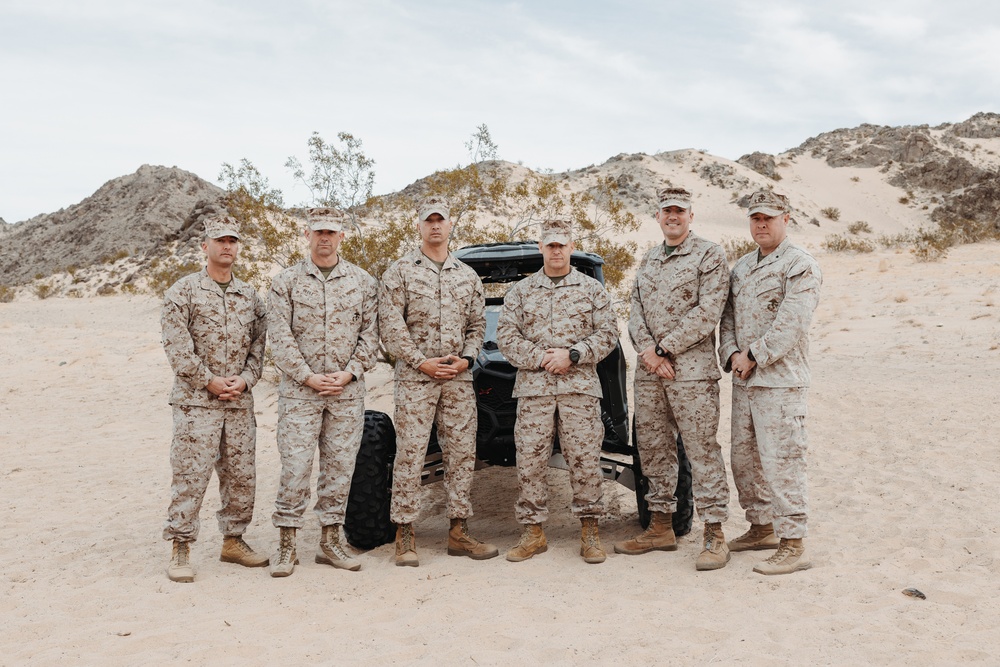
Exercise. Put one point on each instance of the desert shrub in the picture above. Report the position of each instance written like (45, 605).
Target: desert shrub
(167, 273)
(839, 243)
(965, 230)
(831, 213)
(859, 227)
(736, 248)
(43, 291)
(855, 179)
(904, 200)
(106, 290)
(930, 245)
(6, 294)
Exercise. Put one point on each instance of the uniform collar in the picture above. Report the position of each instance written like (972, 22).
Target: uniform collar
(775, 255)
(335, 272)
(541, 280)
(683, 249)
(207, 283)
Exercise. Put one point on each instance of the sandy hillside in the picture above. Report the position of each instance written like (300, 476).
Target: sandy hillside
(904, 471)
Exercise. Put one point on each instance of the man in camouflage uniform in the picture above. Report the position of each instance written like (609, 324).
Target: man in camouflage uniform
(214, 331)
(555, 326)
(677, 301)
(764, 340)
(324, 335)
(431, 308)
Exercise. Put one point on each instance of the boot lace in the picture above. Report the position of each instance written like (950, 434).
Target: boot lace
(286, 552)
(711, 543)
(783, 552)
(406, 539)
(183, 553)
(242, 546)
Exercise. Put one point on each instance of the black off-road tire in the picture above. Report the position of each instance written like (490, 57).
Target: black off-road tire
(684, 515)
(367, 524)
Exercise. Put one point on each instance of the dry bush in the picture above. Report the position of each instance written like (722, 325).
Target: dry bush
(43, 290)
(6, 294)
(839, 243)
(859, 227)
(931, 245)
(831, 212)
(736, 248)
(162, 276)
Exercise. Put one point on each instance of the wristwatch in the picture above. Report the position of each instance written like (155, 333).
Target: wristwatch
(660, 352)
(574, 356)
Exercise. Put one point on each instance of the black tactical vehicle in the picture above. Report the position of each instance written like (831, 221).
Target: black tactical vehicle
(367, 524)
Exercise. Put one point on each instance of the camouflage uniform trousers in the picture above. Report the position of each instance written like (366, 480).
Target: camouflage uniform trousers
(769, 456)
(664, 408)
(223, 438)
(336, 427)
(581, 432)
(419, 405)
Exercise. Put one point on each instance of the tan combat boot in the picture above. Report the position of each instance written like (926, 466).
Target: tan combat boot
(460, 543)
(790, 557)
(590, 542)
(332, 552)
(759, 538)
(235, 550)
(532, 542)
(180, 569)
(659, 536)
(715, 553)
(284, 562)
(406, 546)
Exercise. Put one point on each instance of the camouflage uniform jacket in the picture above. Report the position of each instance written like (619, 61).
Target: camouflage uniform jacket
(208, 333)
(429, 313)
(537, 315)
(769, 310)
(677, 301)
(323, 325)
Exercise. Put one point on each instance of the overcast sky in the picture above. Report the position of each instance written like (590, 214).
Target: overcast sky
(91, 90)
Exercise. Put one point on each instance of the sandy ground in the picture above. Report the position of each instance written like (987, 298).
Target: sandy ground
(903, 464)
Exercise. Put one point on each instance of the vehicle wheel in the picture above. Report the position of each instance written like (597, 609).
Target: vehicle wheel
(367, 524)
(684, 515)
(641, 483)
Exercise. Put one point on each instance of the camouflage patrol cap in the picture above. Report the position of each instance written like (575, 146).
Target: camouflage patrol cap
(769, 203)
(678, 197)
(218, 226)
(557, 231)
(326, 218)
(431, 205)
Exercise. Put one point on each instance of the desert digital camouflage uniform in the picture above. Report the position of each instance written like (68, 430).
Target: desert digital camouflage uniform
(209, 333)
(427, 313)
(677, 301)
(537, 315)
(320, 325)
(770, 307)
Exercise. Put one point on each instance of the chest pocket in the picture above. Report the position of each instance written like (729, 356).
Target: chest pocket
(208, 312)
(769, 292)
(576, 312)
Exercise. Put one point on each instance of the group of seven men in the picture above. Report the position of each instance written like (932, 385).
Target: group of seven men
(325, 318)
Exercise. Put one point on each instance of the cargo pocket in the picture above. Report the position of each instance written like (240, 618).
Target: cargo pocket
(793, 419)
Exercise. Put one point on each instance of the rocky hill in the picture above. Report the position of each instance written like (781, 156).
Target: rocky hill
(129, 215)
(892, 179)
